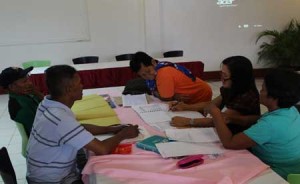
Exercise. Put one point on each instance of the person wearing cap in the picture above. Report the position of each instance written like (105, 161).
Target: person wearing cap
(23, 96)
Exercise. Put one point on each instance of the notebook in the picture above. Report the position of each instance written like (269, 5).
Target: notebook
(149, 143)
(153, 113)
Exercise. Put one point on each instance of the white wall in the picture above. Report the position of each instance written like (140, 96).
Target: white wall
(116, 27)
(211, 33)
(201, 28)
(36, 21)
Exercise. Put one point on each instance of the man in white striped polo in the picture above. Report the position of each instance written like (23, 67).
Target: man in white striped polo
(56, 136)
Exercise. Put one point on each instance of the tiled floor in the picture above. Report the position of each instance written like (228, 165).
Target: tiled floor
(10, 137)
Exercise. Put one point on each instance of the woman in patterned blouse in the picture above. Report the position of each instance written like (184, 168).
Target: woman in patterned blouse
(238, 99)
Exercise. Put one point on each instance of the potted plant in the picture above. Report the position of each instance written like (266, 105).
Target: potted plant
(283, 50)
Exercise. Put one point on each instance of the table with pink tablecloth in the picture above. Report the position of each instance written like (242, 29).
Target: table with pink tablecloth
(145, 167)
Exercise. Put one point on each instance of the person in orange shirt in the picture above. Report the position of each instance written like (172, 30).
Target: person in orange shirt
(169, 81)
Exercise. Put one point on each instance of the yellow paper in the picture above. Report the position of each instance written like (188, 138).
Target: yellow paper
(98, 112)
(88, 102)
(93, 109)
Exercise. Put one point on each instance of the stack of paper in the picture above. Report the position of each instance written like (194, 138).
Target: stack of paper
(93, 109)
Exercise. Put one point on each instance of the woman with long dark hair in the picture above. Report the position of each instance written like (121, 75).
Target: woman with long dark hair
(238, 98)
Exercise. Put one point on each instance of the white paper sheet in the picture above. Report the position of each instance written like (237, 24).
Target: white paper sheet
(153, 113)
(187, 114)
(159, 116)
(193, 135)
(130, 100)
(158, 107)
(142, 135)
(176, 149)
(162, 126)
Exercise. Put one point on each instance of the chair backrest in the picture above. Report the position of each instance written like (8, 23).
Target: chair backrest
(36, 63)
(173, 53)
(6, 169)
(85, 59)
(23, 136)
(124, 57)
(293, 178)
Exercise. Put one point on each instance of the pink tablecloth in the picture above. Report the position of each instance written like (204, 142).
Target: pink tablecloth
(144, 167)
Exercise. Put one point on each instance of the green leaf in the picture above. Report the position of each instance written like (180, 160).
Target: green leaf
(283, 47)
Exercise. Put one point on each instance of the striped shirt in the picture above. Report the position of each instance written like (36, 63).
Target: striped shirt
(55, 138)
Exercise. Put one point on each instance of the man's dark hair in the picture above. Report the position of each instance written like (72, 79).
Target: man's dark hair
(241, 75)
(283, 85)
(138, 59)
(57, 77)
